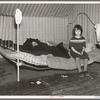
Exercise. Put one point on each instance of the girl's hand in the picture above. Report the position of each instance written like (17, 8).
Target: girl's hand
(78, 53)
(82, 53)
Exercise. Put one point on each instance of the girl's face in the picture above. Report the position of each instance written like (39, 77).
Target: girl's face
(77, 32)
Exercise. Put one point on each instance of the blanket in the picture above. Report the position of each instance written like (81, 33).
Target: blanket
(69, 64)
(49, 60)
(37, 47)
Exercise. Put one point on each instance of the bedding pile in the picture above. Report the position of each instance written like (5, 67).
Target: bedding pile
(69, 64)
(37, 47)
(26, 57)
(33, 54)
(47, 58)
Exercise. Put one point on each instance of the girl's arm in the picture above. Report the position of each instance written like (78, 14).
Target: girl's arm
(75, 50)
(83, 50)
(84, 47)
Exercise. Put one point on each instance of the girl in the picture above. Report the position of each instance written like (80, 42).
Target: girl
(77, 50)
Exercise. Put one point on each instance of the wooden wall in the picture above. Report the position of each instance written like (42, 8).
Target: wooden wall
(87, 20)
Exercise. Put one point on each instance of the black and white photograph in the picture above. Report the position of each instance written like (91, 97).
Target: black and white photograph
(50, 49)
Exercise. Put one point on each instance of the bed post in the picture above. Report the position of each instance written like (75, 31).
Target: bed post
(18, 19)
(18, 53)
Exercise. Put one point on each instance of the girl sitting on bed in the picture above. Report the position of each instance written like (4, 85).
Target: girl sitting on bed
(77, 50)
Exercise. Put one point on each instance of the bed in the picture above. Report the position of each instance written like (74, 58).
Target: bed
(40, 59)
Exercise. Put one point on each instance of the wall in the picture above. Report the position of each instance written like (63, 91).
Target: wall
(51, 28)
(43, 28)
(7, 28)
(92, 11)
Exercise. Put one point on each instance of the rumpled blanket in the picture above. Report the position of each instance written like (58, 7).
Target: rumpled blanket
(69, 64)
(49, 60)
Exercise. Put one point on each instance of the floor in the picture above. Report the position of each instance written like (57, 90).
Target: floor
(8, 72)
(48, 82)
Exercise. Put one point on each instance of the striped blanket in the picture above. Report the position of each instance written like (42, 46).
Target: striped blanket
(49, 60)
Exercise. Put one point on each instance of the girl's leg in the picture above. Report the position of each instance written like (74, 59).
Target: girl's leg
(85, 63)
(78, 64)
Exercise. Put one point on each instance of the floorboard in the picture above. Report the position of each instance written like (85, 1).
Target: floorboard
(51, 81)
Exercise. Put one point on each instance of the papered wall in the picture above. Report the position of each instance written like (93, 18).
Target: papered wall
(88, 18)
(42, 28)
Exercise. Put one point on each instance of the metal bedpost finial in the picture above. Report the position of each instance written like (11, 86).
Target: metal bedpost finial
(18, 16)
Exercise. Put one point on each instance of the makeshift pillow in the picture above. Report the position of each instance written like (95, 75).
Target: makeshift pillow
(28, 43)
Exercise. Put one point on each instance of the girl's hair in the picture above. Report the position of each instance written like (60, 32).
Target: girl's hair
(78, 27)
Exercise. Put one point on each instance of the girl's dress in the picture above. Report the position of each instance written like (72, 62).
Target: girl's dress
(78, 44)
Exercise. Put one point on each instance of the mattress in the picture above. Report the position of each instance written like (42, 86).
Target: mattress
(48, 60)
